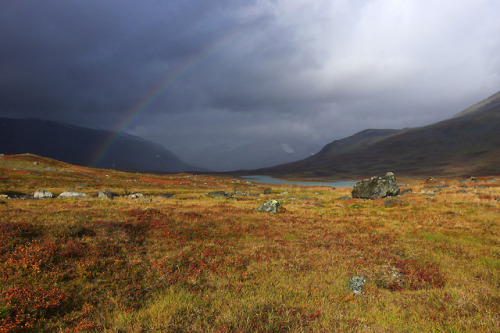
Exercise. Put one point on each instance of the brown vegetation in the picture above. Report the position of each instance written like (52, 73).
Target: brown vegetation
(201, 264)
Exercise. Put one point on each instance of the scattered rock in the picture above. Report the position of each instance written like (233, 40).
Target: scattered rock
(146, 199)
(481, 187)
(272, 207)
(407, 191)
(106, 195)
(430, 180)
(356, 283)
(376, 187)
(83, 185)
(42, 194)
(462, 191)
(219, 194)
(394, 202)
(72, 194)
(135, 195)
(166, 196)
(50, 169)
(345, 197)
(2, 155)
(241, 193)
(267, 190)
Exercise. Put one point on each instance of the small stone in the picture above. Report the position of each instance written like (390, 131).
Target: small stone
(407, 191)
(390, 203)
(135, 195)
(356, 283)
(345, 197)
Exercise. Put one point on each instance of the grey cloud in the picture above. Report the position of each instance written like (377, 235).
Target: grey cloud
(232, 70)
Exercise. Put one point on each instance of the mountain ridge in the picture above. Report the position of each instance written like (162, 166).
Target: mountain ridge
(466, 144)
(86, 146)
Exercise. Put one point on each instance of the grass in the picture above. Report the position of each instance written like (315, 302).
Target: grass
(192, 263)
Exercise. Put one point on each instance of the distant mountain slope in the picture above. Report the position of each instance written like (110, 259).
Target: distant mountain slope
(258, 154)
(79, 145)
(467, 144)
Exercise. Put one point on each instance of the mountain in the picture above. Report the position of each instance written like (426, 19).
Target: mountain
(466, 144)
(257, 154)
(86, 146)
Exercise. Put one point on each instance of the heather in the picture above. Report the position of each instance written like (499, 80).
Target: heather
(179, 260)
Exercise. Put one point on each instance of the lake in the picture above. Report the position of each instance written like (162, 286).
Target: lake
(271, 180)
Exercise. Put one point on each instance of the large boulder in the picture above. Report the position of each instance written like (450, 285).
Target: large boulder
(376, 187)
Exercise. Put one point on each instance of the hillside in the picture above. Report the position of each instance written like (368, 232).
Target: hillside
(86, 146)
(467, 144)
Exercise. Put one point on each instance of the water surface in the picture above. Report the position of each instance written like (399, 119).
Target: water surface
(271, 180)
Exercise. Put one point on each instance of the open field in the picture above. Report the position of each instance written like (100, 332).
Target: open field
(177, 260)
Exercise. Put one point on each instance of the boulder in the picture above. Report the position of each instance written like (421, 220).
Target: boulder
(272, 207)
(376, 187)
(72, 194)
(42, 194)
(106, 195)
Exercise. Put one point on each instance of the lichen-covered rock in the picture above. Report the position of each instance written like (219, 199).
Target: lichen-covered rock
(72, 194)
(356, 283)
(272, 206)
(376, 187)
(219, 194)
(106, 195)
(42, 194)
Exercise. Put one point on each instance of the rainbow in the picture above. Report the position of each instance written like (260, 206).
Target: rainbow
(131, 114)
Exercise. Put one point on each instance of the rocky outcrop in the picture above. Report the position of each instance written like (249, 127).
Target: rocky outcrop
(106, 195)
(376, 187)
(42, 194)
(72, 194)
(272, 207)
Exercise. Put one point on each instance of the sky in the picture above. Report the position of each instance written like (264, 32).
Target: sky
(197, 75)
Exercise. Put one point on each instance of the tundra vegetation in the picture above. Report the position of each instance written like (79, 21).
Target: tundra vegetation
(178, 260)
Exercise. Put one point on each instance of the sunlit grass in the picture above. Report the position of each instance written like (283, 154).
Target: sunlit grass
(200, 264)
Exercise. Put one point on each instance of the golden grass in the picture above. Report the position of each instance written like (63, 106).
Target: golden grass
(192, 263)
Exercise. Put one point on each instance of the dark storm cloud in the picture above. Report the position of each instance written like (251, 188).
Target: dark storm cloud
(233, 70)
